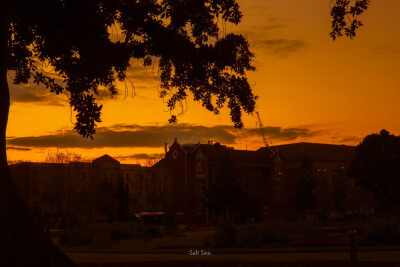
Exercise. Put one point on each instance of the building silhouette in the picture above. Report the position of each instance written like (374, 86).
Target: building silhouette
(194, 166)
(327, 161)
(80, 190)
(70, 194)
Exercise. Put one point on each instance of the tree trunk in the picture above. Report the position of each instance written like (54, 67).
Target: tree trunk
(22, 241)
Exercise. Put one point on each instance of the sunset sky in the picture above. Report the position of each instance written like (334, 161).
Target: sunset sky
(310, 88)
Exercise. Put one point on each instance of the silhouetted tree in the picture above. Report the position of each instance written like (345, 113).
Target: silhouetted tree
(225, 194)
(305, 186)
(68, 189)
(376, 167)
(345, 15)
(74, 38)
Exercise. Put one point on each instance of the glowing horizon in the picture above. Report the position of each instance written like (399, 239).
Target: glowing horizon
(310, 88)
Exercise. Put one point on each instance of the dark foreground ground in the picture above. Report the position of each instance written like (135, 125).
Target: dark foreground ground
(367, 259)
(188, 250)
(248, 264)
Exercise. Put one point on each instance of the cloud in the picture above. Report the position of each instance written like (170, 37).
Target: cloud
(351, 139)
(35, 94)
(271, 27)
(257, 32)
(279, 134)
(144, 74)
(141, 156)
(390, 49)
(18, 148)
(280, 47)
(138, 78)
(123, 135)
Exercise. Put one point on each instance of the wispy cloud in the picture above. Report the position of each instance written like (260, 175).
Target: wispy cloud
(138, 78)
(350, 139)
(18, 148)
(280, 47)
(280, 134)
(123, 135)
(390, 49)
(140, 156)
(35, 94)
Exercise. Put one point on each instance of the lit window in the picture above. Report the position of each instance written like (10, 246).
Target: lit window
(277, 170)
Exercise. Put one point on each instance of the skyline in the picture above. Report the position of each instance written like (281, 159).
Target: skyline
(310, 88)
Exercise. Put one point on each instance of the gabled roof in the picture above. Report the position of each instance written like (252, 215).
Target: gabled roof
(315, 151)
(159, 164)
(105, 158)
(215, 153)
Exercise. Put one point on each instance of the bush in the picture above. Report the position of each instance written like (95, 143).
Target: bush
(76, 237)
(384, 231)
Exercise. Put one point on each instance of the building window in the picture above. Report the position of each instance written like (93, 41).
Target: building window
(200, 167)
(277, 169)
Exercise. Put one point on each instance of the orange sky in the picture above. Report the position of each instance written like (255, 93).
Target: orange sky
(310, 89)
